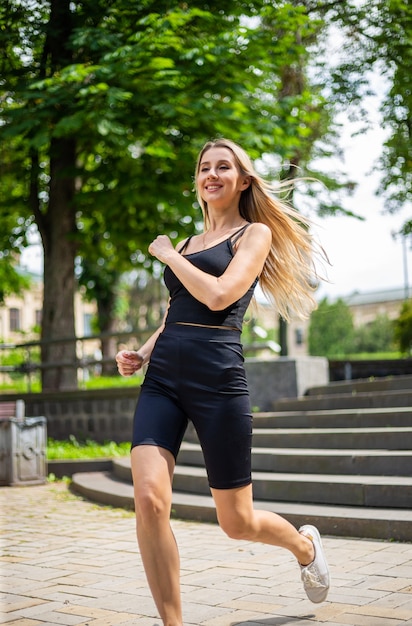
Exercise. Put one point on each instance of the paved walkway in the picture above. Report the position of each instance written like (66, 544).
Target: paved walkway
(65, 561)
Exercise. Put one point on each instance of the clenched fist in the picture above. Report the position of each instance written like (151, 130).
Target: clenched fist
(161, 248)
(128, 362)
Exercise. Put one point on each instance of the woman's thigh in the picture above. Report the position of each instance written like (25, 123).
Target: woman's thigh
(152, 471)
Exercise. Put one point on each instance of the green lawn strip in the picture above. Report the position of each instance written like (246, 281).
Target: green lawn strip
(88, 449)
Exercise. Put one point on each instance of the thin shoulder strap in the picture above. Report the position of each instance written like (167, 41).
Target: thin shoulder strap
(234, 238)
(186, 243)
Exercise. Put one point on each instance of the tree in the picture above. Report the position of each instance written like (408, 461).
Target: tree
(377, 336)
(403, 328)
(394, 39)
(13, 238)
(331, 331)
(11, 282)
(380, 41)
(143, 300)
(104, 108)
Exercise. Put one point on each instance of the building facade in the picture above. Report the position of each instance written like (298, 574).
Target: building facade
(20, 315)
(365, 308)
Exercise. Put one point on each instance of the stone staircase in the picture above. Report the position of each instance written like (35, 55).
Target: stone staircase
(339, 457)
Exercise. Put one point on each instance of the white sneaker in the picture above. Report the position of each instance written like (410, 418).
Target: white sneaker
(315, 576)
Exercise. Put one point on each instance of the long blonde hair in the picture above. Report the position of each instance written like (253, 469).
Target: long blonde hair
(289, 277)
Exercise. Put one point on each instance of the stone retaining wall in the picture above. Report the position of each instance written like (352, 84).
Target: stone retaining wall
(354, 369)
(101, 415)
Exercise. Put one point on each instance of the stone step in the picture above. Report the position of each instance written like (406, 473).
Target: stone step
(387, 491)
(390, 383)
(399, 438)
(350, 490)
(335, 418)
(363, 400)
(366, 522)
(339, 438)
(312, 461)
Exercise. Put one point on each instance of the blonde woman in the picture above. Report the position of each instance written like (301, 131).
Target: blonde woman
(196, 368)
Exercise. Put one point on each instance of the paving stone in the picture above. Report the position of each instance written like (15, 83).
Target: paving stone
(21, 622)
(68, 562)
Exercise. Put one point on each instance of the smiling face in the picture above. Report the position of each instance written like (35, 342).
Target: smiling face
(219, 180)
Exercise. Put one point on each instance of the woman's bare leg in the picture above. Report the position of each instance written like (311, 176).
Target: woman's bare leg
(152, 470)
(238, 518)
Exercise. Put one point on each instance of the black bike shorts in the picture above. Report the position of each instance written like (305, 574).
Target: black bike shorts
(197, 374)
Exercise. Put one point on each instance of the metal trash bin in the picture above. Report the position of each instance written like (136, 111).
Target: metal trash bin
(23, 442)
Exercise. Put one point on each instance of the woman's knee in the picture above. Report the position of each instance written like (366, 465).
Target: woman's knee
(151, 506)
(152, 470)
(236, 526)
(235, 512)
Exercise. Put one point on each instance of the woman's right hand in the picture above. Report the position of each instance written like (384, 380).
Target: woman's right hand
(128, 362)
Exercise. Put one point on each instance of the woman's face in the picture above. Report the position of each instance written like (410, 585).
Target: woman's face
(219, 181)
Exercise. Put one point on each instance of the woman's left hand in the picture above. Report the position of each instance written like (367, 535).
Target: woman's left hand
(161, 248)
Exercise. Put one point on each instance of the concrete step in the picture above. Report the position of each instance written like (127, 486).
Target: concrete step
(362, 400)
(389, 383)
(316, 461)
(350, 490)
(366, 522)
(335, 418)
(399, 438)
(387, 491)
(338, 438)
(341, 460)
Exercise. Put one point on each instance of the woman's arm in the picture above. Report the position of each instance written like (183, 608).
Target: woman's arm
(218, 292)
(130, 361)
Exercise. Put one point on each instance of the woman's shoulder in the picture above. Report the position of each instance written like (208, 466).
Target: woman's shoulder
(256, 236)
(258, 230)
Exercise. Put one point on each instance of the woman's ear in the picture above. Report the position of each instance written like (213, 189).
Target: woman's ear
(246, 182)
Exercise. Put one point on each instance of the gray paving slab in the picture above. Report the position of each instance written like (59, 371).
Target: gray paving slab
(65, 561)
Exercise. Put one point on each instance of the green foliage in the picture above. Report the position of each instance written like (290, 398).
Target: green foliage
(107, 105)
(332, 334)
(139, 90)
(378, 336)
(88, 449)
(403, 328)
(381, 41)
(20, 359)
(11, 281)
(331, 331)
(394, 50)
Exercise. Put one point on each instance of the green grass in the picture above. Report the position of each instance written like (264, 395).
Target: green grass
(98, 382)
(21, 386)
(370, 356)
(88, 449)
(108, 382)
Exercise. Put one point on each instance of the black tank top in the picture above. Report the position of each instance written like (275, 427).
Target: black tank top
(185, 308)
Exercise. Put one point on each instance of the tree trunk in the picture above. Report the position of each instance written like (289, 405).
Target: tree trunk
(57, 225)
(58, 230)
